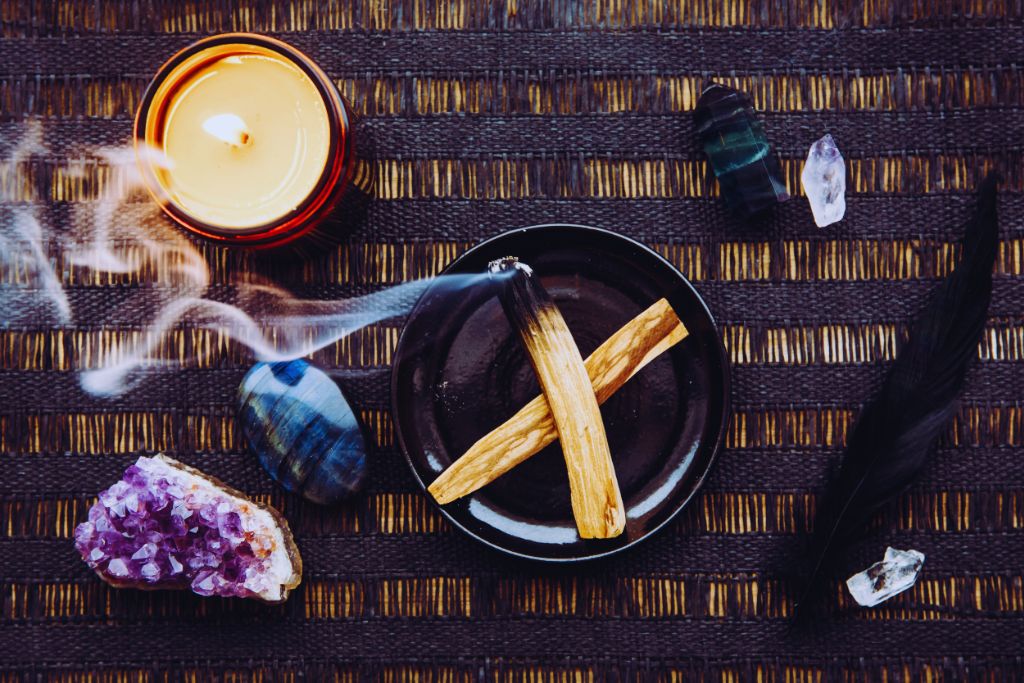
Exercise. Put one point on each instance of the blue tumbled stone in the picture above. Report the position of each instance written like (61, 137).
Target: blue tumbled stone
(741, 157)
(304, 432)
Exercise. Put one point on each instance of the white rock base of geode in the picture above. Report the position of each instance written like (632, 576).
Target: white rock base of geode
(824, 182)
(166, 525)
(896, 573)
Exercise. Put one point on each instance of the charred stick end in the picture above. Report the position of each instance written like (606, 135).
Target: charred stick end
(508, 264)
(522, 296)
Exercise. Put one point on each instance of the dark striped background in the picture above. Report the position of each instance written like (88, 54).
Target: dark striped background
(487, 115)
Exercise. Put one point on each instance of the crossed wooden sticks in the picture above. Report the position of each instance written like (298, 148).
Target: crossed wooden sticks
(567, 408)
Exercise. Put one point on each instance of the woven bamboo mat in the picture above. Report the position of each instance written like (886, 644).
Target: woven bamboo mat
(496, 114)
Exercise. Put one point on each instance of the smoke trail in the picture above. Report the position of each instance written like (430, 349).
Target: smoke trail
(329, 320)
(22, 240)
(175, 281)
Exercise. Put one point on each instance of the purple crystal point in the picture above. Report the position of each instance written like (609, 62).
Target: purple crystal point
(165, 525)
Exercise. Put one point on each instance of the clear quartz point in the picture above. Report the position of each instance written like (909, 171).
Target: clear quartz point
(896, 573)
(824, 181)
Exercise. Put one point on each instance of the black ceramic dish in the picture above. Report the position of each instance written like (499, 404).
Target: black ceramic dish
(460, 370)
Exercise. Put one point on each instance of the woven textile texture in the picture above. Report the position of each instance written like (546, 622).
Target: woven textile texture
(488, 115)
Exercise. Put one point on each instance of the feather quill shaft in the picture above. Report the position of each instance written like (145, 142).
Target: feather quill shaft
(899, 428)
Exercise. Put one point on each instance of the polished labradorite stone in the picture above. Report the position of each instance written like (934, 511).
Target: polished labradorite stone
(303, 431)
(739, 152)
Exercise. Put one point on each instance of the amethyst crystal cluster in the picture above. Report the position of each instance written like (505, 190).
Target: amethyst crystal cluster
(165, 525)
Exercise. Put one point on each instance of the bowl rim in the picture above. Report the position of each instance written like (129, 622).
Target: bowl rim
(698, 482)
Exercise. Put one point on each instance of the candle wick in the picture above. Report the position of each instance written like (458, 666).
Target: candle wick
(229, 128)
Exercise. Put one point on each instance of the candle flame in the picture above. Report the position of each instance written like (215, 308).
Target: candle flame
(228, 128)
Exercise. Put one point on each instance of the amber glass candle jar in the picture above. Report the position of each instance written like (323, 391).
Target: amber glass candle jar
(244, 140)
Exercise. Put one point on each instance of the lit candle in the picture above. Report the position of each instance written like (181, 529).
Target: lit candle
(253, 141)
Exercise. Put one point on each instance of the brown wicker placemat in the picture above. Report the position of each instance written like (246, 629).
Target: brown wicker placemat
(495, 114)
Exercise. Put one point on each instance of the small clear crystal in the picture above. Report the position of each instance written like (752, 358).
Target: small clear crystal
(824, 181)
(896, 573)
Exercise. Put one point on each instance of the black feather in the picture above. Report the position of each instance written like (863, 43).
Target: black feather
(899, 428)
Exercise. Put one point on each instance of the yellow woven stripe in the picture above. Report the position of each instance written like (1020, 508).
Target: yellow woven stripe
(57, 98)
(395, 597)
(377, 263)
(425, 597)
(536, 92)
(838, 344)
(556, 177)
(636, 178)
(58, 517)
(411, 15)
(654, 597)
(427, 673)
(931, 598)
(835, 260)
(406, 513)
(690, 595)
(840, 260)
(119, 675)
(750, 513)
(73, 350)
(790, 513)
(829, 427)
(356, 263)
(333, 599)
(714, 512)
(373, 347)
(934, 598)
(147, 431)
(130, 432)
(504, 671)
(749, 597)
(547, 94)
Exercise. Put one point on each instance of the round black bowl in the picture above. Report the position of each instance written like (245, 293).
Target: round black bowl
(460, 371)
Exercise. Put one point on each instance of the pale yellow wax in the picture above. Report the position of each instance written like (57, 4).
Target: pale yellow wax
(247, 137)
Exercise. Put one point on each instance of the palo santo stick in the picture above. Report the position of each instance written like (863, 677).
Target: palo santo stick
(596, 501)
(526, 433)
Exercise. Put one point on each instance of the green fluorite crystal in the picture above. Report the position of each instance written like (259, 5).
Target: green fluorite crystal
(738, 150)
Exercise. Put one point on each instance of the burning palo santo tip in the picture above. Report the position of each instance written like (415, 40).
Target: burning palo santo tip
(526, 433)
(508, 264)
(596, 501)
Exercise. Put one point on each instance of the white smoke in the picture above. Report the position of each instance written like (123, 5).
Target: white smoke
(101, 241)
(22, 236)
